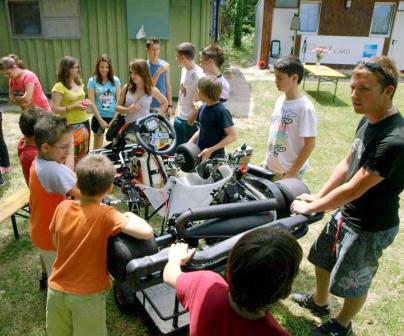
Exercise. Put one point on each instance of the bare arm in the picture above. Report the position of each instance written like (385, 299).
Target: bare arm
(169, 94)
(194, 137)
(26, 98)
(137, 227)
(230, 137)
(361, 182)
(309, 144)
(179, 255)
(120, 108)
(161, 99)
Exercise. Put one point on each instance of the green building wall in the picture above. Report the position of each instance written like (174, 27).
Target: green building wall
(104, 30)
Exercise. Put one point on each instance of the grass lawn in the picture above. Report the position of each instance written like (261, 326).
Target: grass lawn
(23, 305)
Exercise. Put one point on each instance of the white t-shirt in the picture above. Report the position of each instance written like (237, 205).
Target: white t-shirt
(225, 88)
(188, 89)
(291, 122)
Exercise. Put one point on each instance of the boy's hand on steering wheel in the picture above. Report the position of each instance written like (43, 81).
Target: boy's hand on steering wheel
(180, 254)
(205, 154)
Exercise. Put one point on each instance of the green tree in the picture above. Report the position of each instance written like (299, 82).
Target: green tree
(238, 22)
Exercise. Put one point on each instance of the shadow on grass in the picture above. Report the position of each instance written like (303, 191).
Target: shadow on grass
(325, 98)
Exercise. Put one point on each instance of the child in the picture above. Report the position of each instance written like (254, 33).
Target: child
(80, 229)
(190, 75)
(211, 60)
(293, 128)
(216, 124)
(51, 180)
(27, 150)
(260, 271)
(159, 70)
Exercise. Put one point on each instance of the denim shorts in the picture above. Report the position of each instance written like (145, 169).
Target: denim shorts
(350, 256)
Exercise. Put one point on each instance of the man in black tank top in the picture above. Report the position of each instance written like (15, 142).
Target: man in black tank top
(364, 188)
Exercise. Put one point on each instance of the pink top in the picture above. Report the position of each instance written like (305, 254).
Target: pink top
(38, 97)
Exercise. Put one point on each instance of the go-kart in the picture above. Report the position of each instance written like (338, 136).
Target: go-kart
(210, 208)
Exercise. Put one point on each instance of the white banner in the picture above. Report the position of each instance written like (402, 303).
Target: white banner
(343, 49)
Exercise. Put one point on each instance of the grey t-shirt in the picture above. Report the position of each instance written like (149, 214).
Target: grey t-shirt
(55, 178)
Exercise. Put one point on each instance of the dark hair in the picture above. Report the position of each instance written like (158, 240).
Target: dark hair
(95, 175)
(49, 129)
(215, 53)
(261, 268)
(65, 65)
(140, 67)
(211, 87)
(152, 40)
(290, 65)
(186, 49)
(385, 70)
(110, 75)
(28, 119)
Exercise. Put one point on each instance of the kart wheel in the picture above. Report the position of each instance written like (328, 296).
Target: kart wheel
(190, 152)
(291, 188)
(124, 298)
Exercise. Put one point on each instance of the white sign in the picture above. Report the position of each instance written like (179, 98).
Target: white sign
(343, 49)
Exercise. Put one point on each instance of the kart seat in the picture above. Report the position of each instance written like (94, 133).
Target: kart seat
(182, 193)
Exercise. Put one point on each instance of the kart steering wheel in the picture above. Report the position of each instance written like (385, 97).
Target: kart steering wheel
(155, 134)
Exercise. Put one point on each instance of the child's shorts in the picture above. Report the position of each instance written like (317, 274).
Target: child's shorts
(354, 262)
(85, 314)
(95, 126)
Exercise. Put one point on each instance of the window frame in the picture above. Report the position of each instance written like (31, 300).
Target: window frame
(320, 3)
(10, 24)
(393, 6)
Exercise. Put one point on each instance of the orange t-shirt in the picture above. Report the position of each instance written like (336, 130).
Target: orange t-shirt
(81, 233)
(42, 205)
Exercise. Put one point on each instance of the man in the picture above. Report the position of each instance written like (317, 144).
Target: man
(365, 187)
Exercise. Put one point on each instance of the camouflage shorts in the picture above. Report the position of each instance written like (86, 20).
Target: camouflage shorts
(355, 260)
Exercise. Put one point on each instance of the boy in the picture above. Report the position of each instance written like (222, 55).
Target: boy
(80, 230)
(293, 127)
(159, 70)
(27, 150)
(51, 181)
(260, 271)
(211, 60)
(190, 75)
(216, 124)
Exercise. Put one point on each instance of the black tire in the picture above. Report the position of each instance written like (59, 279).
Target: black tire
(190, 152)
(125, 299)
(291, 188)
(122, 249)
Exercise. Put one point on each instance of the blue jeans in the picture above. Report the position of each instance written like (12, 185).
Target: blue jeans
(183, 131)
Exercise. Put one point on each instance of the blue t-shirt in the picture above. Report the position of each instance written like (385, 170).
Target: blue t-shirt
(213, 120)
(161, 82)
(105, 96)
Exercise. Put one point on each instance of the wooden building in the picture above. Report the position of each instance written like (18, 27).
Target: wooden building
(42, 32)
(351, 29)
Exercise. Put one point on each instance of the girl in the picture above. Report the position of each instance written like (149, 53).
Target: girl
(24, 87)
(103, 90)
(137, 95)
(68, 100)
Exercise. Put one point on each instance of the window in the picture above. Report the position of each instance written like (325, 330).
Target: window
(24, 18)
(382, 18)
(49, 19)
(148, 18)
(309, 16)
(286, 3)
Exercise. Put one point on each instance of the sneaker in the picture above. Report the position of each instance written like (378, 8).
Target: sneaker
(307, 301)
(5, 170)
(332, 328)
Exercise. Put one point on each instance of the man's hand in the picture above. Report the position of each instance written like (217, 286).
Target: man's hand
(180, 254)
(307, 198)
(300, 207)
